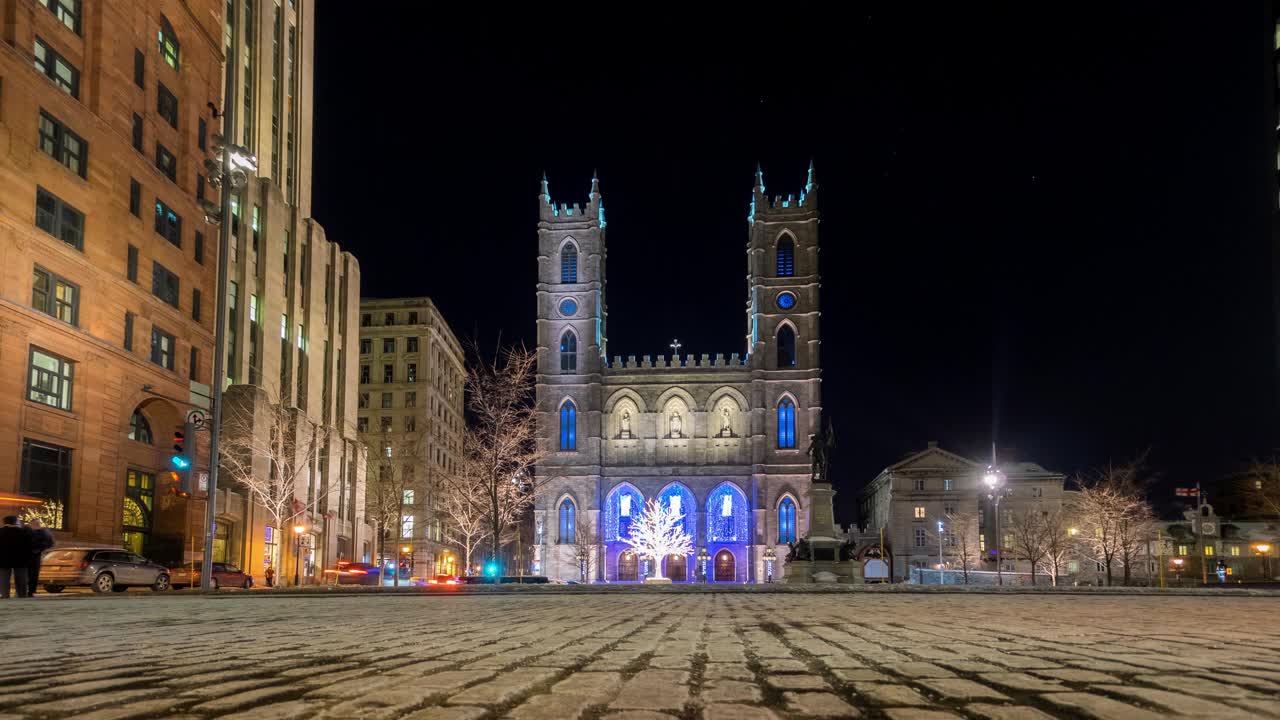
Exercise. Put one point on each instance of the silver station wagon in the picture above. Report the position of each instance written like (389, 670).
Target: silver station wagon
(103, 569)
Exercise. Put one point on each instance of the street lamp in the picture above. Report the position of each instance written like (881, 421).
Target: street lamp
(297, 552)
(1177, 568)
(769, 556)
(994, 480)
(702, 562)
(941, 575)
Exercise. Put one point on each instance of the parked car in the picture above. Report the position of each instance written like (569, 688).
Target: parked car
(224, 575)
(352, 573)
(103, 569)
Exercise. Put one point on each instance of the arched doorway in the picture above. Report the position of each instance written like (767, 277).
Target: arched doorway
(677, 570)
(628, 567)
(725, 568)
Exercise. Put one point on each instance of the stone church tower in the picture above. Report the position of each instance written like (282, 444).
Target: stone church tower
(723, 440)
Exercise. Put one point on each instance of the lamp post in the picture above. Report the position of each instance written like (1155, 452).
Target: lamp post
(582, 564)
(702, 563)
(770, 555)
(406, 557)
(297, 552)
(1262, 549)
(1177, 569)
(941, 575)
(994, 480)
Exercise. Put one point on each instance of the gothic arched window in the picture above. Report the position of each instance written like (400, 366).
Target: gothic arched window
(569, 264)
(568, 426)
(786, 347)
(568, 522)
(568, 352)
(786, 521)
(727, 515)
(140, 429)
(786, 256)
(786, 424)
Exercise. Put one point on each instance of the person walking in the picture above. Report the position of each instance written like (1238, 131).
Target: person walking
(41, 540)
(15, 553)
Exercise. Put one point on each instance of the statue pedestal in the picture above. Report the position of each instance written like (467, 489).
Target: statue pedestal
(823, 564)
(657, 581)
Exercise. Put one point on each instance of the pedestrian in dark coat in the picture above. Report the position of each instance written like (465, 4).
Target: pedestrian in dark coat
(41, 540)
(15, 553)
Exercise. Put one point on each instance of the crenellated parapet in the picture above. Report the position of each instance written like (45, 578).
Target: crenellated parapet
(592, 215)
(783, 207)
(689, 362)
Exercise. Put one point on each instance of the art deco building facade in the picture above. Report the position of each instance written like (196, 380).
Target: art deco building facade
(107, 268)
(722, 440)
(411, 418)
(292, 299)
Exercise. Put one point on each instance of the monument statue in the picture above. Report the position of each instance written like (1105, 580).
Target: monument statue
(675, 425)
(625, 429)
(820, 449)
(726, 426)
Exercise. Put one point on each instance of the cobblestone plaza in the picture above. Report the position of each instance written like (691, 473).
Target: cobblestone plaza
(641, 655)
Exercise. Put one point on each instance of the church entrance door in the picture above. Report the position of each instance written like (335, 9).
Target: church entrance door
(628, 568)
(676, 569)
(725, 567)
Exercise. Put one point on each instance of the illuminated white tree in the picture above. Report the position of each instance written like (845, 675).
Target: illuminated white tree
(659, 532)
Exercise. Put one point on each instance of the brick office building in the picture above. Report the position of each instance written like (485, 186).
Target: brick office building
(107, 268)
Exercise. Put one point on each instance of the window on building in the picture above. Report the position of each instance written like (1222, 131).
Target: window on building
(918, 512)
(1037, 492)
(947, 485)
(164, 284)
(166, 162)
(385, 423)
(1182, 550)
(137, 132)
(53, 295)
(139, 69)
(50, 379)
(362, 400)
(948, 510)
(568, 352)
(411, 399)
(67, 12)
(388, 345)
(202, 134)
(162, 348)
(46, 473)
(388, 373)
(568, 427)
(168, 223)
(170, 49)
(568, 523)
(128, 330)
(786, 521)
(362, 424)
(366, 320)
(919, 538)
(199, 249)
(786, 424)
(406, 526)
(167, 105)
(569, 264)
(411, 344)
(786, 347)
(389, 319)
(140, 429)
(56, 68)
(59, 219)
(413, 317)
(135, 198)
(58, 142)
(918, 484)
(195, 304)
(1234, 550)
(411, 372)
(364, 374)
(786, 256)
(366, 346)
(386, 399)
(1208, 551)
(410, 424)
(193, 365)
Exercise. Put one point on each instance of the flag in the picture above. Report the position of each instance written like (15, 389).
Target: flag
(1185, 492)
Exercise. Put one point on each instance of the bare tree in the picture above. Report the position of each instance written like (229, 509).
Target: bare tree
(1029, 532)
(963, 539)
(271, 450)
(464, 501)
(586, 544)
(1114, 515)
(1057, 542)
(392, 481)
(501, 441)
(1263, 485)
(658, 533)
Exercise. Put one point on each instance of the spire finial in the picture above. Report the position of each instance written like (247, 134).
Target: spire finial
(595, 183)
(545, 191)
(759, 178)
(813, 181)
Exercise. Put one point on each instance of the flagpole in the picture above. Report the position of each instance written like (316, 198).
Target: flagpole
(1204, 563)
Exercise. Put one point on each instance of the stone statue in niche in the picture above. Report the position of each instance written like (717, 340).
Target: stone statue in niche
(676, 425)
(726, 423)
(624, 425)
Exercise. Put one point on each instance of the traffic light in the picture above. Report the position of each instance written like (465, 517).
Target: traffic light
(181, 459)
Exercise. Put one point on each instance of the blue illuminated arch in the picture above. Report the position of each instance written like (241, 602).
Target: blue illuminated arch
(623, 505)
(786, 521)
(786, 424)
(727, 514)
(681, 495)
(568, 426)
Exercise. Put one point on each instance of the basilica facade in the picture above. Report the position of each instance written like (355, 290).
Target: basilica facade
(721, 439)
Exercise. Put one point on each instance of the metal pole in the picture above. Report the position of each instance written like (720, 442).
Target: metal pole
(227, 116)
(1160, 555)
(999, 542)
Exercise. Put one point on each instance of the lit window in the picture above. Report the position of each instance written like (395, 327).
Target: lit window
(406, 527)
(786, 521)
(1182, 549)
(625, 506)
(786, 424)
(50, 380)
(1208, 550)
(408, 497)
(726, 506)
(569, 264)
(162, 348)
(568, 427)
(170, 49)
(786, 257)
(947, 485)
(168, 223)
(67, 11)
(55, 296)
(919, 512)
(140, 429)
(1235, 551)
(674, 503)
(56, 67)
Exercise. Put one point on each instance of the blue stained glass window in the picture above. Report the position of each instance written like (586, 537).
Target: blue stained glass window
(569, 307)
(786, 257)
(616, 524)
(568, 427)
(569, 264)
(786, 300)
(786, 521)
(567, 522)
(730, 526)
(679, 497)
(786, 424)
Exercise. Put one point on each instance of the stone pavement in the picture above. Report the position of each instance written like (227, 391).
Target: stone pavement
(641, 656)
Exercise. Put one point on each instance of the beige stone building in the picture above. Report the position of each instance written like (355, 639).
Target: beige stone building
(107, 268)
(908, 499)
(292, 296)
(722, 440)
(411, 418)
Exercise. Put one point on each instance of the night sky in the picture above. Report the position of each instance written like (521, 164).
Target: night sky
(1050, 225)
